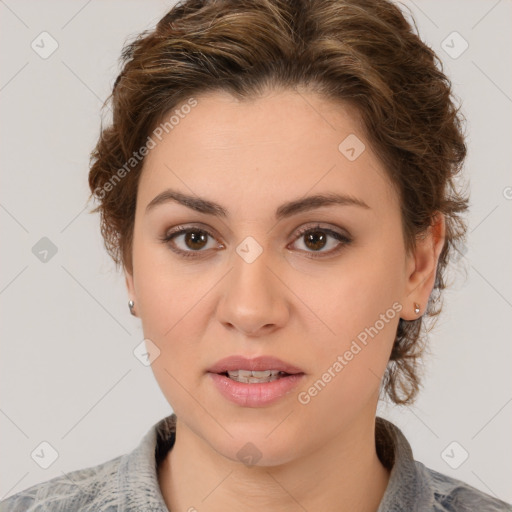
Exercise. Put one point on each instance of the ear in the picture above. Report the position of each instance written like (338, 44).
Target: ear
(128, 276)
(421, 268)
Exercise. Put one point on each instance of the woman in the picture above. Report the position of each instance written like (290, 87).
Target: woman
(278, 185)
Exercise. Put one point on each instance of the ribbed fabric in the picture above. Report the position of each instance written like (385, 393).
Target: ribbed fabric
(129, 483)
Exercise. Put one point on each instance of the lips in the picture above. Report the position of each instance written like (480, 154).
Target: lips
(261, 363)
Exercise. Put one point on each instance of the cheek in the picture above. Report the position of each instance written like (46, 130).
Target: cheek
(165, 293)
(361, 308)
(352, 296)
(167, 303)
(172, 318)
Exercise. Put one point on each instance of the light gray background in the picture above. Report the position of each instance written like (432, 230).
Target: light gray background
(68, 373)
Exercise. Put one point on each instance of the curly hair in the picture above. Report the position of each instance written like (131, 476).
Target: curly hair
(361, 52)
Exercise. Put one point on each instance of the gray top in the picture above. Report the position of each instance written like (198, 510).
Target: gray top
(129, 483)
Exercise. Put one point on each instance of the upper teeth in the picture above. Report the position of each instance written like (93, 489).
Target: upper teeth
(253, 377)
(249, 373)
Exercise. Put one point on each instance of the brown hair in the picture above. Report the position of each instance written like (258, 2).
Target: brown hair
(363, 52)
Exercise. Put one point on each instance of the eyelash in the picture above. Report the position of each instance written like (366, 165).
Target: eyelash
(180, 230)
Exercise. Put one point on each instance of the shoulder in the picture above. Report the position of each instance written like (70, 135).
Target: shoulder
(89, 489)
(413, 486)
(128, 482)
(453, 495)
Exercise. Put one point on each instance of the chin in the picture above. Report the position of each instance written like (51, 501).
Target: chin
(258, 443)
(260, 452)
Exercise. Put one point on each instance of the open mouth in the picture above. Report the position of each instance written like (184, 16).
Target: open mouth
(255, 377)
(256, 382)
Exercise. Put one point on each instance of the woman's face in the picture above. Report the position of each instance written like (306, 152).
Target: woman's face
(250, 282)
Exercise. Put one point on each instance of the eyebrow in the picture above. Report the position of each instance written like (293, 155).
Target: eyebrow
(285, 210)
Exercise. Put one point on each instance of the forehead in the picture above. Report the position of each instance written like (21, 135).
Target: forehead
(260, 151)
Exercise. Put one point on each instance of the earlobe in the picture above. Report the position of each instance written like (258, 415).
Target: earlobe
(423, 267)
(131, 290)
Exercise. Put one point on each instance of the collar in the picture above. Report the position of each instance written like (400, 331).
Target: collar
(137, 480)
(408, 488)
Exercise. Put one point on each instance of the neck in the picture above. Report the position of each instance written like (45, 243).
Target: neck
(343, 475)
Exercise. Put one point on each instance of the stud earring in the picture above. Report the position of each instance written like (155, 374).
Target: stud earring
(416, 308)
(131, 305)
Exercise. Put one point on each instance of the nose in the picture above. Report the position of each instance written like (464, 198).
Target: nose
(254, 300)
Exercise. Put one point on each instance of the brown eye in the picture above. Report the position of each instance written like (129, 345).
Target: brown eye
(316, 238)
(193, 242)
(195, 239)
(188, 241)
